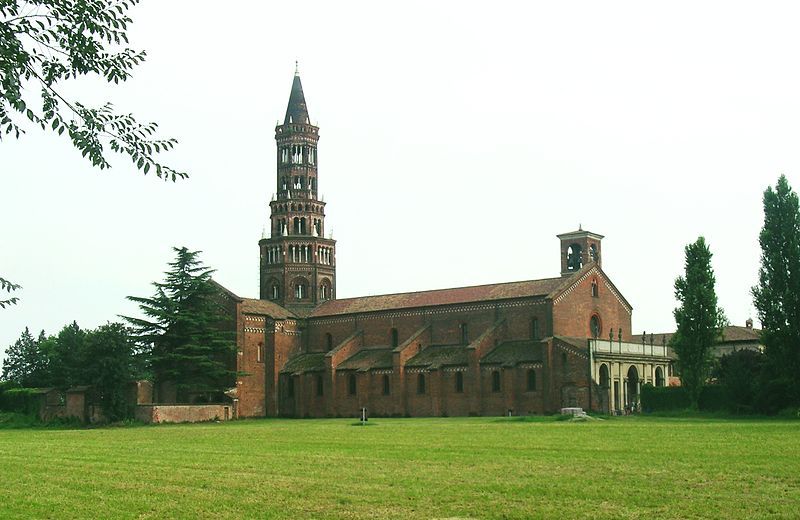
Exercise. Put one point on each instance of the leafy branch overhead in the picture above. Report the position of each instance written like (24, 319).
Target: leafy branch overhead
(7, 286)
(45, 42)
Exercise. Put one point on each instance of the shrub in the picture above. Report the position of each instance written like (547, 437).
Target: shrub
(21, 400)
(664, 398)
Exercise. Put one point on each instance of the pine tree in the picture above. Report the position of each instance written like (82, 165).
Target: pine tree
(188, 341)
(699, 320)
(19, 365)
(777, 295)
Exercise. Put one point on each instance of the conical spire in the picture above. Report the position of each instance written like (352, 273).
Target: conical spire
(296, 111)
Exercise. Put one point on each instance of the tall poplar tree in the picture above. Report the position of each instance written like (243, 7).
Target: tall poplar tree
(187, 338)
(699, 320)
(777, 295)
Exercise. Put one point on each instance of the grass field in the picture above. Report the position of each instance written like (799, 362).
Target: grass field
(400, 468)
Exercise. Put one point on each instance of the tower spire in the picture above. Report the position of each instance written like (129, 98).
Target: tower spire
(296, 110)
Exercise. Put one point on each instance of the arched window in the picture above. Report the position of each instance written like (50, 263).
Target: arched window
(495, 381)
(574, 257)
(351, 384)
(300, 288)
(260, 353)
(296, 223)
(459, 382)
(594, 288)
(290, 387)
(320, 386)
(275, 292)
(593, 255)
(421, 384)
(394, 338)
(328, 342)
(594, 326)
(464, 334)
(563, 359)
(605, 380)
(659, 376)
(386, 386)
(325, 290)
(534, 329)
(531, 379)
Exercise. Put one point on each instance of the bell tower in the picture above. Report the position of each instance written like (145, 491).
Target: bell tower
(298, 264)
(579, 248)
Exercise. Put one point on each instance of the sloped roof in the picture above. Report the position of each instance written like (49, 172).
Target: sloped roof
(296, 110)
(512, 353)
(266, 307)
(367, 359)
(581, 343)
(309, 362)
(477, 293)
(440, 355)
(730, 334)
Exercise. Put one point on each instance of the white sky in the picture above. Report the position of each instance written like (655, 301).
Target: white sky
(457, 140)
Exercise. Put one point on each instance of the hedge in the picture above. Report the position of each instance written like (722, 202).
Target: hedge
(21, 400)
(713, 398)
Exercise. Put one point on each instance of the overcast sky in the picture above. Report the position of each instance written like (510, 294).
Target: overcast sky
(457, 140)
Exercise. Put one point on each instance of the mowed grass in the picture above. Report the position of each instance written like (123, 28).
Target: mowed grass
(407, 468)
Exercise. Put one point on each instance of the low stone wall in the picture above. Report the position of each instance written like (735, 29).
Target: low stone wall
(180, 413)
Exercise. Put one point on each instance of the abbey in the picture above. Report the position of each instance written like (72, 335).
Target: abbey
(527, 347)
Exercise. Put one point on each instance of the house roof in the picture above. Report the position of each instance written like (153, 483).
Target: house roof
(368, 359)
(512, 353)
(440, 355)
(266, 307)
(308, 362)
(730, 334)
(459, 295)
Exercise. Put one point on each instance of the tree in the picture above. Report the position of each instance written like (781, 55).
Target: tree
(739, 373)
(7, 286)
(23, 363)
(110, 352)
(189, 342)
(699, 320)
(46, 42)
(777, 295)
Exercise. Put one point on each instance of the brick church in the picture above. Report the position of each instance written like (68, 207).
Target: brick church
(520, 347)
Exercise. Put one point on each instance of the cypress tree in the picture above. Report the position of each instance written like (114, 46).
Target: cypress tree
(186, 336)
(777, 295)
(699, 320)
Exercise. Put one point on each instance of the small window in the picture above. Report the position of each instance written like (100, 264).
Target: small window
(320, 387)
(275, 292)
(531, 380)
(328, 342)
(290, 387)
(394, 338)
(351, 384)
(563, 358)
(464, 334)
(459, 382)
(421, 384)
(535, 329)
(260, 353)
(594, 289)
(495, 381)
(386, 385)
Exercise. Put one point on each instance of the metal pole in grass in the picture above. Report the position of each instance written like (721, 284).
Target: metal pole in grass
(364, 417)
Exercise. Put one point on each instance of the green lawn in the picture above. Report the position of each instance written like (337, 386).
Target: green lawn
(458, 467)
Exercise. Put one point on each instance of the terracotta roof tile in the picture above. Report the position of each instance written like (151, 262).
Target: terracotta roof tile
(368, 359)
(512, 353)
(266, 307)
(440, 355)
(499, 291)
(309, 362)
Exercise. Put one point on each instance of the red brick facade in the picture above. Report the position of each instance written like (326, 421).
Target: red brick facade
(517, 347)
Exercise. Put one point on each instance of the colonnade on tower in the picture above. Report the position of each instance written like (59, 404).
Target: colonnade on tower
(298, 264)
